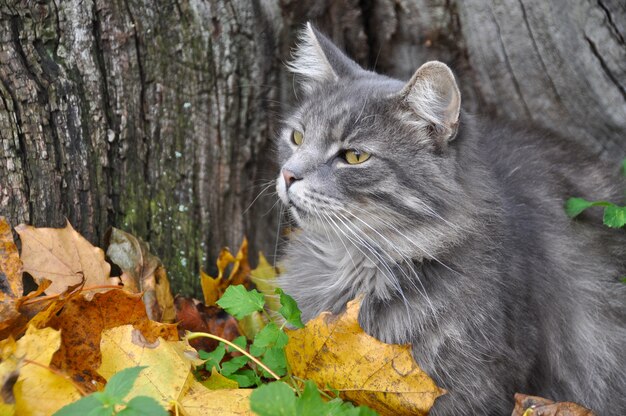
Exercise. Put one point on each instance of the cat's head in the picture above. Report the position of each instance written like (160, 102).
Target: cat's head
(367, 157)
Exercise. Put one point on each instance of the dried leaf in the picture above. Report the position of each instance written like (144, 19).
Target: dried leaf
(168, 374)
(264, 278)
(10, 279)
(214, 287)
(37, 390)
(216, 381)
(538, 406)
(143, 272)
(195, 317)
(200, 401)
(63, 256)
(82, 322)
(334, 351)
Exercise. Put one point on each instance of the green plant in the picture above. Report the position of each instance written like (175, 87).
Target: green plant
(264, 360)
(110, 401)
(614, 215)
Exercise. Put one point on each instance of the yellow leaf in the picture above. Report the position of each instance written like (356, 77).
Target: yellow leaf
(216, 381)
(334, 351)
(168, 375)
(264, 277)
(38, 390)
(200, 401)
(210, 288)
(63, 256)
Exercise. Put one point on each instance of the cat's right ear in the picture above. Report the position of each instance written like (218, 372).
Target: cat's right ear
(432, 93)
(317, 60)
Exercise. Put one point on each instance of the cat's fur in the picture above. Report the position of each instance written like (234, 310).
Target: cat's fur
(454, 231)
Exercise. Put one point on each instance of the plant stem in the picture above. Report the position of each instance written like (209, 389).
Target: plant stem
(194, 335)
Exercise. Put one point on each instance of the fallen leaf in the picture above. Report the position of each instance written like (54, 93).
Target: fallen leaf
(63, 256)
(143, 272)
(538, 406)
(168, 374)
(193, 316)
(334, 351)
(37, 390)
(216, 381)
(82, 321)
(264, 278)
(10, 277)
(214, 287)
(200, 401)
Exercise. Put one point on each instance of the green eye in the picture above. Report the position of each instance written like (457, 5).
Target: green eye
(354, 157)
(297, 137)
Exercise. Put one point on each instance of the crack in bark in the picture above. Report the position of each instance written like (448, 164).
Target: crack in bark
(611, 22)
(142, 112)
(21, 142)
(605, 67)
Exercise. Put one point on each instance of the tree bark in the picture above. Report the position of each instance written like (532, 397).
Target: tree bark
(158, 116)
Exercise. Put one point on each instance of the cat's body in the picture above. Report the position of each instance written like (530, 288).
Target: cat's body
(453, 230)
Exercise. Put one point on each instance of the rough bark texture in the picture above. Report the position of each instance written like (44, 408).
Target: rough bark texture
(157, 116)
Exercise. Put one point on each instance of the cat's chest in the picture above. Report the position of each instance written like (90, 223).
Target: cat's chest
(324, 276)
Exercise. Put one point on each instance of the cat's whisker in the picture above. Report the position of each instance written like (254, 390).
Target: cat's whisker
(258, 196)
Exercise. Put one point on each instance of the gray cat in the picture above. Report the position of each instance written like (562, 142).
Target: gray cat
(453, 230)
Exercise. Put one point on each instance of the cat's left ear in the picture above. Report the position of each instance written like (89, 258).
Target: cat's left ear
(433, 94)
(317, 60)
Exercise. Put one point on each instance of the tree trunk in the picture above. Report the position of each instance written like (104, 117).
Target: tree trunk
(157, 116)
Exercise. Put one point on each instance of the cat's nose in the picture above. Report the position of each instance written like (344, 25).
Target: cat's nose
(289, 177)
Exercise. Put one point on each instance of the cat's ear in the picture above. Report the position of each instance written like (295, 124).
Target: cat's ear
(434, 95)
(317, 60)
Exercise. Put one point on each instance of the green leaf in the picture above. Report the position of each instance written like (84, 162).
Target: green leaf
(276, 360)
(256, 351)
(214, 357)
(143, 406)
(274, 399)
(246, 378)
(240, 303)
(122, 382)
(229, 367)
(240, 341)
(310, 402)
(80, 407)
(614, 216)
(102, 411)
(574, 206)
(289, 309)
(271, 336)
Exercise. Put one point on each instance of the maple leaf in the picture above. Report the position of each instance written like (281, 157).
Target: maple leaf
(36, 388)
(63, 256)
(81, 323)
(143, 272)
(334, 351)
(200, 401)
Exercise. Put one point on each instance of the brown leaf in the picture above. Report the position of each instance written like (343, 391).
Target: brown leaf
(81, 323)
(143, 272)
(195, 317)
(10, 276)
(334, 351)
(538, 406)
(63, 256)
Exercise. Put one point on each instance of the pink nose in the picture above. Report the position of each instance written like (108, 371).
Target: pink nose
(289, 177)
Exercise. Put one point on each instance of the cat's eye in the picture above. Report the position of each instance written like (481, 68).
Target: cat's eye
(354, 157)
(297, 137)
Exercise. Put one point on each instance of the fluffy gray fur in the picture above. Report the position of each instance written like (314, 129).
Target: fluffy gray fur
(455, 234)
